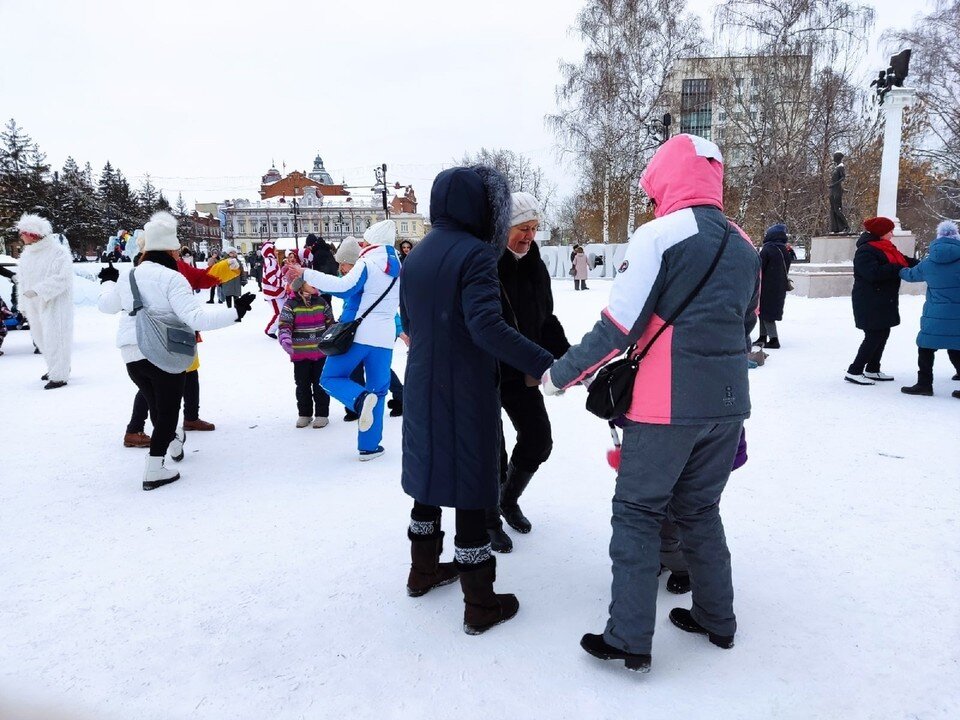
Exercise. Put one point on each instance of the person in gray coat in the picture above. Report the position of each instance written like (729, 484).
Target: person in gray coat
(232, 288)
(689, 398)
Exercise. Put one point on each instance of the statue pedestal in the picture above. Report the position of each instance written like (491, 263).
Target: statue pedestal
(830, 270)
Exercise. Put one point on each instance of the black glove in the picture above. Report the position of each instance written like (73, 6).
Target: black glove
(109, 274)
(243, 304)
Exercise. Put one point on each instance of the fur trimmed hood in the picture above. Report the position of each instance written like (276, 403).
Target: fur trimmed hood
(34, 225)
(474, 199)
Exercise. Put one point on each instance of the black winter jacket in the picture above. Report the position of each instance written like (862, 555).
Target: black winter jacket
(876, 286)
(775, 259)
(527, 299)
(450, 307)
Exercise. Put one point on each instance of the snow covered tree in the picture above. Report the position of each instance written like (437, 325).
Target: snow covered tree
(24, 178)
(79, 211)
(148, 197)
(184, 226)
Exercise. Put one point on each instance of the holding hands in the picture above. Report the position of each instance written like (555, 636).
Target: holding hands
(108, 274)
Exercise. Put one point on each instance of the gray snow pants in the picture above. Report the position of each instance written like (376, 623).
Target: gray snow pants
(683, 468)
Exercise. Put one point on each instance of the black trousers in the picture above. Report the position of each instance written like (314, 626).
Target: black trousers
(524, 406)
(229, 301)
(312, 400)
(471, 524)
(925, 358)
(191, 404)
(870, 352)
(163, 392)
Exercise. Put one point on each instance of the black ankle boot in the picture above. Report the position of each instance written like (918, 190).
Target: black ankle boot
(682, 618)
(772, 344)
(516, 483)
(918, 389)
(760, 341)
(598, 647)
(500, 542)
(678, 583)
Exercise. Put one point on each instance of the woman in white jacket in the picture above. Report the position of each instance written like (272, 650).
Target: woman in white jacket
(168, 296)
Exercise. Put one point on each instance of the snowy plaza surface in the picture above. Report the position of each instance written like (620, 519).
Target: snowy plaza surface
(270, 581)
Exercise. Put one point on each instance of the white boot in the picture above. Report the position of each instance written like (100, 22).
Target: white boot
(175, 448)
(304, 420)
(156, 475)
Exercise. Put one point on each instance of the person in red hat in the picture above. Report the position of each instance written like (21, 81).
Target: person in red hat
(876, 297)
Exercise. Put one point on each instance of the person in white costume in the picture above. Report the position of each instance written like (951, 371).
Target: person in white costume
(45, 281)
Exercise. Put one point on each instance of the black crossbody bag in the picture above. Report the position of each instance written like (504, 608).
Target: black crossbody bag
(338, 338)
(611, 391)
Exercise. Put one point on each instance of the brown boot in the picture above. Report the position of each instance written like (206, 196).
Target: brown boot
(426, 570)
(137, 440)
(198, 425)
(483, 608)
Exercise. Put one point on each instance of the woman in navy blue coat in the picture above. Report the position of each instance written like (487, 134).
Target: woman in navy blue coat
(450, 308)
(940, 323)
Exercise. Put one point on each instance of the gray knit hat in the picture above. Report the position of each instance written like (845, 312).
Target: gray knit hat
(349, 251)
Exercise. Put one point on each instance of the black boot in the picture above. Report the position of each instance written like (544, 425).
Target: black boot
(678, 583)
(350, 416)
(482, 607)
(682, 618)
(426, 570)
(956, 394)
(772, 344)
(598, 647)
(760, 341)
(396, 407)
(918, 389)
(499, 540)
(516, 483)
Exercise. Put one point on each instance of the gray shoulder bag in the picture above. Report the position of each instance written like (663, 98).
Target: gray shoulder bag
(169, 346)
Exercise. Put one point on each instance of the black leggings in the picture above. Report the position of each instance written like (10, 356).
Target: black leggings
(191, 404)
(471, 524)
(870, 352)
(925, 358)
(163, 392)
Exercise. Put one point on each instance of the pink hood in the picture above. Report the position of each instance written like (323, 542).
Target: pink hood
(686, 171)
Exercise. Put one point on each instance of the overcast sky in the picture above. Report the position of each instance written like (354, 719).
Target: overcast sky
(203, 95)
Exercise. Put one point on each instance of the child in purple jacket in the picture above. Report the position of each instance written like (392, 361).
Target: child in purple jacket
(304, 318)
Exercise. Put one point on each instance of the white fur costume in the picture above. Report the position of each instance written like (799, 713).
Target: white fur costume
(45, 285)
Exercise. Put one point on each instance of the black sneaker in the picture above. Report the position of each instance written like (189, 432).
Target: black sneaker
(598, 647)
(678, 583)
(682, 618)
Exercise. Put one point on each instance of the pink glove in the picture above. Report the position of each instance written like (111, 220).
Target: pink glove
(287, 344)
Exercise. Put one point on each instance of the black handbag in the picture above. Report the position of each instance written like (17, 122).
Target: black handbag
(611, 391)
(338, 338)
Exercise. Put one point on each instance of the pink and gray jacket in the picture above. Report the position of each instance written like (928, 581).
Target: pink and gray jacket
(696, 372)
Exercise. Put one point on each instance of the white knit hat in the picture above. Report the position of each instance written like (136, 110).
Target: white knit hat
(227, 249)
(34, 225)
(349, 251)
(524, 207)
(160, 232)
(381, 233)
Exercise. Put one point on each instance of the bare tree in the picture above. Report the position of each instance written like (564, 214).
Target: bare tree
(787, 100)
(608, 99)
(522, 174)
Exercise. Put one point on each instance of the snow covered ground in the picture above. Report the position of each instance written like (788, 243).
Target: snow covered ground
(269, 581)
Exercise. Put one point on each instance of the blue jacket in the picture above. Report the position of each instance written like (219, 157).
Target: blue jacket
(450, 308)
(940, 323)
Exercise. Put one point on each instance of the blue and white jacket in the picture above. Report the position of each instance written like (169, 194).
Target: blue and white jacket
(376, 268)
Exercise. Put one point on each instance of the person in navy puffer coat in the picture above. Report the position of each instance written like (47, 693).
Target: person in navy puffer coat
(940, 323)
(450, 308)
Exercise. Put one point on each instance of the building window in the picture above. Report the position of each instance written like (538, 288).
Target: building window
(696, 107)
(316, 226)
(403, 227)
(326, 226)
(242, 227)
(286, 228)
(273, 225)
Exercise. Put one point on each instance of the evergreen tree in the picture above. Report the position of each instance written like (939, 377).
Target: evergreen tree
(80, 215)
(184, 225)
(149, 198)
(23, 178)
(106, 194)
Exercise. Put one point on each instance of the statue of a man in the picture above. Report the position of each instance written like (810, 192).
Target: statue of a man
(838, 222)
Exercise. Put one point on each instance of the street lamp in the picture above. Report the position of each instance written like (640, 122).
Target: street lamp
(381, 174)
